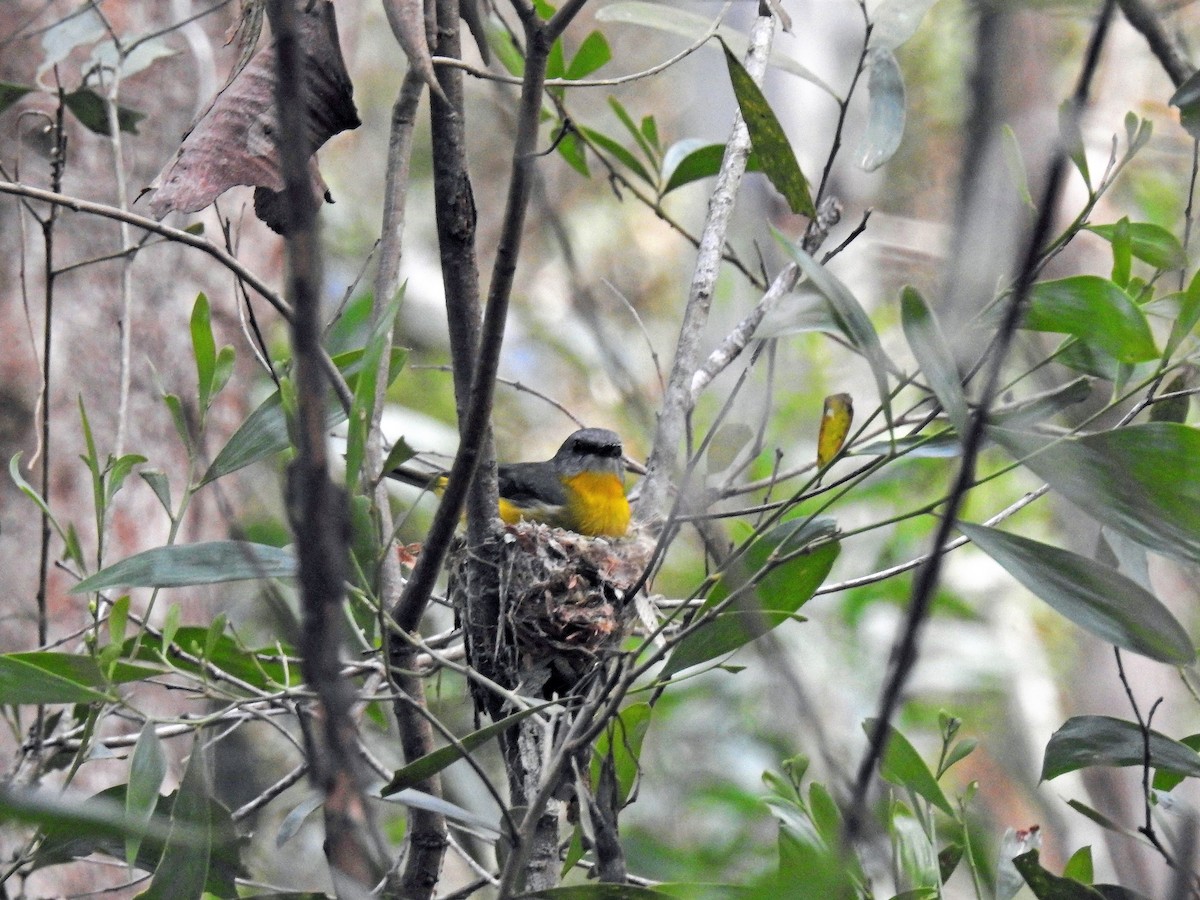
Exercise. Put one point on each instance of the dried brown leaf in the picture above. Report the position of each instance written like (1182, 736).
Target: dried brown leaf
(233, 143)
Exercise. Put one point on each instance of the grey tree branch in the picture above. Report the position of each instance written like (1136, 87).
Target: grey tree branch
(1145, 20)
(660, 468)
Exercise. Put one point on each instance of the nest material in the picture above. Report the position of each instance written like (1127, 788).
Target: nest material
(564, 601)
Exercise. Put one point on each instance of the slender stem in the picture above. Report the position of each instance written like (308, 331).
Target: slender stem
(904, 655)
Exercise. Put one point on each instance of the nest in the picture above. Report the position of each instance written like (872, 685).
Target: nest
(564, 602)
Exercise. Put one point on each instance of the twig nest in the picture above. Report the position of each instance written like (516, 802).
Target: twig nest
(564, 601)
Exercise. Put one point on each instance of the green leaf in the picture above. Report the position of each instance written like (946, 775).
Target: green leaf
(571, 148)
(1141, 480)
(265, 433)
(364, 388)
(948, 860)
(432, 763)
(161, 486)
(674, 20)
(261, 668)
(1148, 242)
(223, 370)
(1168, 781)
(631, 126)
(46, 677)
(915, 853)
(934, 356)
(903, 767)
(1174, 409)
(1086, 741)
(627, 159)
(1122, 250)
(204, 348)
(11, 93)
(118, 616)
(77, 828)
(1016, 165)
(1185, 321)
(1092, 595)
(1094, 310)
(885, 111)
(1079, 866)
(1046, 886)
(187, 564)
(146, 772)
(851, 318)
(92, 112)
(183, 868)
(693, 159)
(785, 566)
(766, 134)
(1072, 139)
(14, 472)
(593, 53)
(622, 739)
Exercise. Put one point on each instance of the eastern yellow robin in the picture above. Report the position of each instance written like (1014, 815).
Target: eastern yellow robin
(581, 488)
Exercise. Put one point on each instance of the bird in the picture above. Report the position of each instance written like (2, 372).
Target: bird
(581, 488)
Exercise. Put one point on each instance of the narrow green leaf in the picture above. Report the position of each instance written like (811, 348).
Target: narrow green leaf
(118, 616)
(1141, 480)
(571, 148)
(1085, 741)
(146, 772)
(915, 853)
(1072, 139)
(631, 126)
(223, 370)
(364, 388)
(593, 53)
(1046, 886)
(627, 159)
(784, 573)
(622, 739)
(1148, 242)
(170, 627)
(24, 681)
(11, 93)
(948, 860)
(183, 869)
(1168, 781)
(1185, 321)
(204, 348)
(91, 110)
(933, 354)
(1016, 165)
(1094, 310)
(14, 472)
(693, 159)
(943, 445)
(1122, 250)
(674, 20)
(885, 111)
(432, 763)
(769, 141)
(1033, 410)
(214, 633)
(1174, 409)
(903, 767)
(265, 432)
(47, 677)
(296, 817)
(116, 473)
(186, 564)
(161, 486)
(1090, 594)
(1079, 866)
(852, 320)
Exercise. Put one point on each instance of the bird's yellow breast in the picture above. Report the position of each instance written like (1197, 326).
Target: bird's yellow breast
(596, 504)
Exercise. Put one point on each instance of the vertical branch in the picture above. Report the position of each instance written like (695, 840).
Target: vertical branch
(676, 404)
(426, 830)
(58, 161)
(904, 655)
(316, 507)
